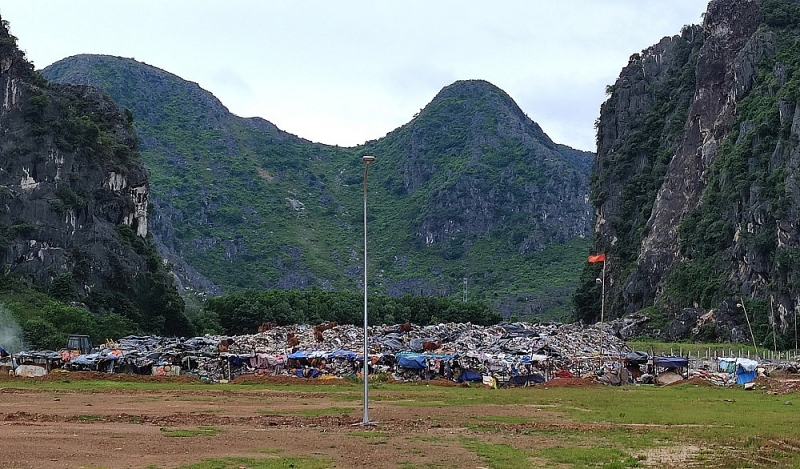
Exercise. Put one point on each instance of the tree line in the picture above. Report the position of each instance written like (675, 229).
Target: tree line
(242, 313)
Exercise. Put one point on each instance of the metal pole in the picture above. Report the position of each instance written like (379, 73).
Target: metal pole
(749, 326)
(367, 161)
(602, 310)
(772, 319)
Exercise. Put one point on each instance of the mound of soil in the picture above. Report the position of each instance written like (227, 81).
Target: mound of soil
(569, 382)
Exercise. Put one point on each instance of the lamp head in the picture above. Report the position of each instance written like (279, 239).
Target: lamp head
(368, 159)
(598, 281)
(739, 305)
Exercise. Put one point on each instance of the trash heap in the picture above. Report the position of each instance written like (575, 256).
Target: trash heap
(404, 351)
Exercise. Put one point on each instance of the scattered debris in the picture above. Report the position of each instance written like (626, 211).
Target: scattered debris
(405, 352)
(511, 354)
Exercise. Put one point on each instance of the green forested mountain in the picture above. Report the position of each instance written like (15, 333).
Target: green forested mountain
(470, 197)
(696, 180)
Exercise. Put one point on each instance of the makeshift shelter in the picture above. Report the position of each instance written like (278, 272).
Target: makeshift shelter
(672, 366)
(744, 369)
(677, 363)
(634, 361)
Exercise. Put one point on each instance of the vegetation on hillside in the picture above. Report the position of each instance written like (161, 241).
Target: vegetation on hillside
(251, 207)
(72, 261)
(737, 248)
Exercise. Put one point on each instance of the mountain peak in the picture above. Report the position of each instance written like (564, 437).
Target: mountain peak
(488, 113)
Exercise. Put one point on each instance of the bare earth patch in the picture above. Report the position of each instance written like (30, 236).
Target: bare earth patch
(129, 428)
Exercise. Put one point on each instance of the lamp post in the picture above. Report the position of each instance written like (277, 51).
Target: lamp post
(741, 305)
(367, 160)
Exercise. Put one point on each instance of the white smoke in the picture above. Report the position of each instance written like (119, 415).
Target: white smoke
(10, 332)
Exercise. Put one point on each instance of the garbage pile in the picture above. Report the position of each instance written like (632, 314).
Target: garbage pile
(455, 351)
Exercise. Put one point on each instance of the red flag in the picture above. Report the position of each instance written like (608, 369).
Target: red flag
(597, 258)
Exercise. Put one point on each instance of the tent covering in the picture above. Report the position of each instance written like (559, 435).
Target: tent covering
(745, 369)
(671, 362)
(637, 357)
(415, 361)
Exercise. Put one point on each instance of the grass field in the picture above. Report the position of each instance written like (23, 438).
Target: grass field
(687, 425)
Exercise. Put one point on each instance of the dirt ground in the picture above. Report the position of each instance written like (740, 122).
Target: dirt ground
(122, 428)
(126, 428)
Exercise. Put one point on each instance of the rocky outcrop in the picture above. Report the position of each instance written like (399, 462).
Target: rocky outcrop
(727, 29)
(717, 227)
(639, 130)
(74, 196)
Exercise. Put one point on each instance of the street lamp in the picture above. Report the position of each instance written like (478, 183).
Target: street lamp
(367, 160)
(753, 337)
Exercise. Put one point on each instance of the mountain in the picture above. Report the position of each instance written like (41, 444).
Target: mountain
(695, 185)
(74, 212)
(469, 198)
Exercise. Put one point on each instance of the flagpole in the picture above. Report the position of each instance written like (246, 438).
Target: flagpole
(594, 258)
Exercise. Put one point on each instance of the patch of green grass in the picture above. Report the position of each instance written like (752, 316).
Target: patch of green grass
(588, 457)
(411, 403)
(504, 419)
(408, 465)
(347, 397)
(368, 434)
(432, 439)
(326, 411)
(188, 433)
(90, 418)
(269, 451)
(497, 456)
(696, 349)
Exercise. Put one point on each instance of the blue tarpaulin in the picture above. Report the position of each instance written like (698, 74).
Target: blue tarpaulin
(746, 370)
(469, 375)
(743, 377)
(414, 361)
(344, 354)
(306, 373)
(671, 362)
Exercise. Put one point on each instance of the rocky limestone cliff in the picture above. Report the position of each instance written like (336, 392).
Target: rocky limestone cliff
(74, 197)
(716, 234)
(720, 83)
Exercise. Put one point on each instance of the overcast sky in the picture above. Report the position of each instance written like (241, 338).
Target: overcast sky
(347, 71)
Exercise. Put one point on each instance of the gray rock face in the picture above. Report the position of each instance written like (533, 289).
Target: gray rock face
(74, 197)
(729, 183)
(61, 197)
(728, 28)
(515, 175)
(639, 131)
